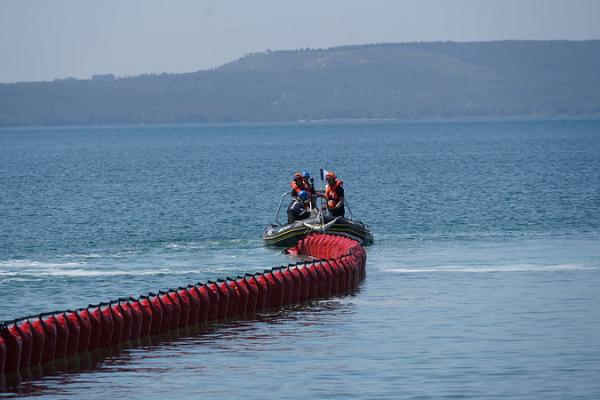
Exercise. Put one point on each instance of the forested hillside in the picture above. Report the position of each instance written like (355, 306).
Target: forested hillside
(414, 80)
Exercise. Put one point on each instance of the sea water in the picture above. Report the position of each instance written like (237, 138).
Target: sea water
(483, 282)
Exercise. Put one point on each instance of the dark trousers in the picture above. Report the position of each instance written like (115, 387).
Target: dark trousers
(337, 212)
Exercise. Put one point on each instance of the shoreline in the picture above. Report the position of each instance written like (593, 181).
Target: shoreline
(429, 120)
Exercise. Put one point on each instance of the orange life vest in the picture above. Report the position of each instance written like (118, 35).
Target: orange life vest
(303, 186)
(331, 194)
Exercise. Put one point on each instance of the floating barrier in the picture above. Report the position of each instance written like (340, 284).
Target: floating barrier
(336, 267)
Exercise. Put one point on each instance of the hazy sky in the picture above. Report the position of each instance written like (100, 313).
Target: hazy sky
(42, 40)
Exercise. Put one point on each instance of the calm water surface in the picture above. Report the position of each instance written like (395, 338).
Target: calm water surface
(484, 281)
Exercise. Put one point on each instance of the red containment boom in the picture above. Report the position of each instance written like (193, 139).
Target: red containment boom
(334, 266)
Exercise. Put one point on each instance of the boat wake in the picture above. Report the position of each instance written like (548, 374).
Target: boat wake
(79, 272)
(491, 269)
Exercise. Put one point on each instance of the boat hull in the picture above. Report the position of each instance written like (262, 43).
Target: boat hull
(288, 235)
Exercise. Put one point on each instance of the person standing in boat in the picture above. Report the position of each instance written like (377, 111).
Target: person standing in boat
(334, 195)
(297, 209)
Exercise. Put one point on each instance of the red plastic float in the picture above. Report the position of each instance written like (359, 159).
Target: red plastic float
(37, 348)
(125, 310)
(85, 330)
(74, 333)
(2, 354)
(96, 326)
(137, 319)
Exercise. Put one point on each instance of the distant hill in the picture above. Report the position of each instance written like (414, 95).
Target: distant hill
(411, 80)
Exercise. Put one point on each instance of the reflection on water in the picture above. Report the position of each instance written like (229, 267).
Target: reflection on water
(233, 335)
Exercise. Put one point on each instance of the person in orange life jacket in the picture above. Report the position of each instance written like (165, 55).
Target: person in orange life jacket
(309, 188)
(297, 209)
(300, 182)
(334, 195)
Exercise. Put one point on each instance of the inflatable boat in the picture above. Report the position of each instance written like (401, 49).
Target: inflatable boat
(287, 235)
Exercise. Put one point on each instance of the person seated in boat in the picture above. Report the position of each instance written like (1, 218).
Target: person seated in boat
(334, 195)
(297, 209)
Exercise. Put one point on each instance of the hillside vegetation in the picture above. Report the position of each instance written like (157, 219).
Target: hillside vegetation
(413, 80)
